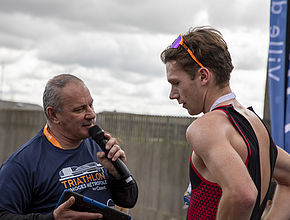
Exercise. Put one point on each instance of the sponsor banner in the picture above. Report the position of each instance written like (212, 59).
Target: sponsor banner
(278, 70)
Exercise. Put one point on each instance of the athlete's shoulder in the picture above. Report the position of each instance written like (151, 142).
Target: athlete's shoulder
(210, 128)
(209, 121)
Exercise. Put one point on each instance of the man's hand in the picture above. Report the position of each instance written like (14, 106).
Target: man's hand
(115, 152)
(63, 212)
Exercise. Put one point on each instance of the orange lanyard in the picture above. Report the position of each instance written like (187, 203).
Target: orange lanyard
(50, 138)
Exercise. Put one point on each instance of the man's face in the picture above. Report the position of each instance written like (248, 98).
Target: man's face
(184, 89)
(77, 114)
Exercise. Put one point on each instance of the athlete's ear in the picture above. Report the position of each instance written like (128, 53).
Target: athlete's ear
(204, 75)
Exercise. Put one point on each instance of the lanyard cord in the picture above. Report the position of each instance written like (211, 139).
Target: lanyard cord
(50, 138)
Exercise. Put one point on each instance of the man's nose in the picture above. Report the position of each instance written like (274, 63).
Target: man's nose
(173, 94)
(90, 113)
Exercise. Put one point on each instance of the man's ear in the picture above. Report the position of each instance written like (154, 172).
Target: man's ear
(52, 114)
(204, 75)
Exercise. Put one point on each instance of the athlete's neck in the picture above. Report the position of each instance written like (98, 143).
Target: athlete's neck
(218, 97)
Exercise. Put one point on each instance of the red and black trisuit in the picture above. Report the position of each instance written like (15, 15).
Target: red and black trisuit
(205, 195)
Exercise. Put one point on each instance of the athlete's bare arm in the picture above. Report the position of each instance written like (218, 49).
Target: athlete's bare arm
(210, 138)
(280, 206)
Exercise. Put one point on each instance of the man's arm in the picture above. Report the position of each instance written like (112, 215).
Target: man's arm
(63, 212)
(209, 138)
(6, 215)
(14, 192)
(280, 205)
(124, 194)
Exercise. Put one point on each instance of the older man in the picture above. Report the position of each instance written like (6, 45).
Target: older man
(63, 156)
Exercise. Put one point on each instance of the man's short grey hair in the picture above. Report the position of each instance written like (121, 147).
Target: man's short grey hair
(51, 94)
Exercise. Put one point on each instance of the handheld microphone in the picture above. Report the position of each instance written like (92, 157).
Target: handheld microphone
(98, 136)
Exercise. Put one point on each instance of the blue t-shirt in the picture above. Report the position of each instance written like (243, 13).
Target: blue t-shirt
(34, 177)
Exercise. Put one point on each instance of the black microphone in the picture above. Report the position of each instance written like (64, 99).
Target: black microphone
(98, 136)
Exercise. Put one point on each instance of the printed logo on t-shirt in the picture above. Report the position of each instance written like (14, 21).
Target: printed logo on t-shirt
(90, 175)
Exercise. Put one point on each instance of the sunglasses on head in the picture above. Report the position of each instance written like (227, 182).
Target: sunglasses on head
(179, 41)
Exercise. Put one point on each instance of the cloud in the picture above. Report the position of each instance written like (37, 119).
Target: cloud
(115, 46)
(236, 14)
(119, 52)
(248, 49)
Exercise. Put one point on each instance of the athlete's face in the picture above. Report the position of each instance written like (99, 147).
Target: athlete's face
(77, 114)
(184, 89)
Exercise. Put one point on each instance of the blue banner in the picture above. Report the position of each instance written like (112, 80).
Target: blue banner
(278, 74)
(287, 118)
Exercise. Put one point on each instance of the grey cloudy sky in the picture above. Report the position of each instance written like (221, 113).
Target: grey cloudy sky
(114, 46)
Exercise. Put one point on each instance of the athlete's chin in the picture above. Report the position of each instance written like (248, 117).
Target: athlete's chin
(189, 111)
(192, 112)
